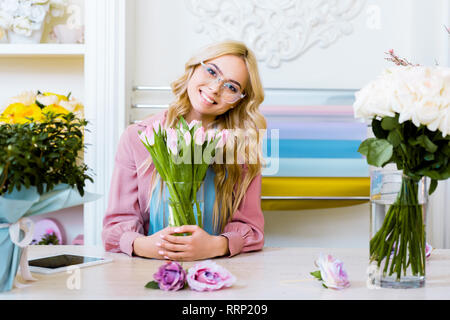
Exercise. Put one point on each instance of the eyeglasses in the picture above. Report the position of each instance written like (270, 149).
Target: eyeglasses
(230, 91)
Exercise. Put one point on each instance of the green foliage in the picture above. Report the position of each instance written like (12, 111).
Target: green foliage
(152, 285)
(415, 150)
(42, 154)
(49, 238)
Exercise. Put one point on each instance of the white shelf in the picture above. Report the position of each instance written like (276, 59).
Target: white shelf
(41, 50)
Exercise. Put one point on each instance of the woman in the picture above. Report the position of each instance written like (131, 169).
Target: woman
(222, 89)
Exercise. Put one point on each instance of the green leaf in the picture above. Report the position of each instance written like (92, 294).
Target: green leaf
(446, 149)
(317, 274)
(433, 174)
(433, 186)
(40, 105)
(184, 123)
(152, 285)
(394, 138)
(389, 123)
(378, 130)
(364, 146)
(377, 151)
(425, 142)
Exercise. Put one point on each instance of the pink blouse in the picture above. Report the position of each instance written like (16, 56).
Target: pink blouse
(127, 218)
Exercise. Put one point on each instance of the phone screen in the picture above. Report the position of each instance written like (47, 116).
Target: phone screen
(59, 261)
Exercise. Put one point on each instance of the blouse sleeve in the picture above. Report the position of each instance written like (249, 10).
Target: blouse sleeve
(123, 222)
(245, 232)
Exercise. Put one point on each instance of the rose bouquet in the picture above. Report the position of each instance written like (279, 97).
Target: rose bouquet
(41, 140)
(182, 156)
(409, 109)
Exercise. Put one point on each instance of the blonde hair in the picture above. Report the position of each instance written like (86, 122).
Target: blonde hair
(229, 186)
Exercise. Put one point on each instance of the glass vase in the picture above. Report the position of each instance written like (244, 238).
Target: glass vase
(398, 211)
(183, 203)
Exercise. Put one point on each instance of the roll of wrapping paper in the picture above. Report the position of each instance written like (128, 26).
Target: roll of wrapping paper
(320, 187)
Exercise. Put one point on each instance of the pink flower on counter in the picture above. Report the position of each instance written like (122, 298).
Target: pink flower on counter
(331, 272)
(208, 276)
(428, 249)
(50, 231)
(170, 276)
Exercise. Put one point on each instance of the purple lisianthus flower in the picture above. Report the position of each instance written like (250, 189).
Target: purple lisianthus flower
(209, 276)
(170, 276)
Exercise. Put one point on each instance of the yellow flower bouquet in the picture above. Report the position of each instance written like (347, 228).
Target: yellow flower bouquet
(41, 170)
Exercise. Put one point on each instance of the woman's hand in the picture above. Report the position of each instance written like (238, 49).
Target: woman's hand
(146, 247)
(199, 245)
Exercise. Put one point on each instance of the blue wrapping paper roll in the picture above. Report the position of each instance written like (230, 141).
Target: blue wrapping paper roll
(25, 203)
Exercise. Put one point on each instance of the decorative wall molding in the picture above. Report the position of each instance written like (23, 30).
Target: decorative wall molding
(276, 31)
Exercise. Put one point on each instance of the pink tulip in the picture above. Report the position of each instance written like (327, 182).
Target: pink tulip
(200, 136)
(187, 137)
(193, 123)
(332, 272)
(211, 133)
(208, 276)
(224, 134)
(172, 140)
(150, 135)
(157, 126)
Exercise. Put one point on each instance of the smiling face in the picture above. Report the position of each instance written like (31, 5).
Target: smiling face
(206, 96)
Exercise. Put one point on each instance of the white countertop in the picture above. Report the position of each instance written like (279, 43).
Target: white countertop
(270, 274)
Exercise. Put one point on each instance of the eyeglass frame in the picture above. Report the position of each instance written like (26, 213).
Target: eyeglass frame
(220, 80)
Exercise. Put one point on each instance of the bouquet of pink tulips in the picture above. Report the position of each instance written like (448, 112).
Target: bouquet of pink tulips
(182, 156)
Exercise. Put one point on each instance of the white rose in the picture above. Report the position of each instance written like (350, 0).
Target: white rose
(374, 99)
(5, 20)
(22, 25)
(47, 100)
(26, 97)
(9, 6)
(24, 9)
(444, 125)
(37, 13)
(418, 94)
